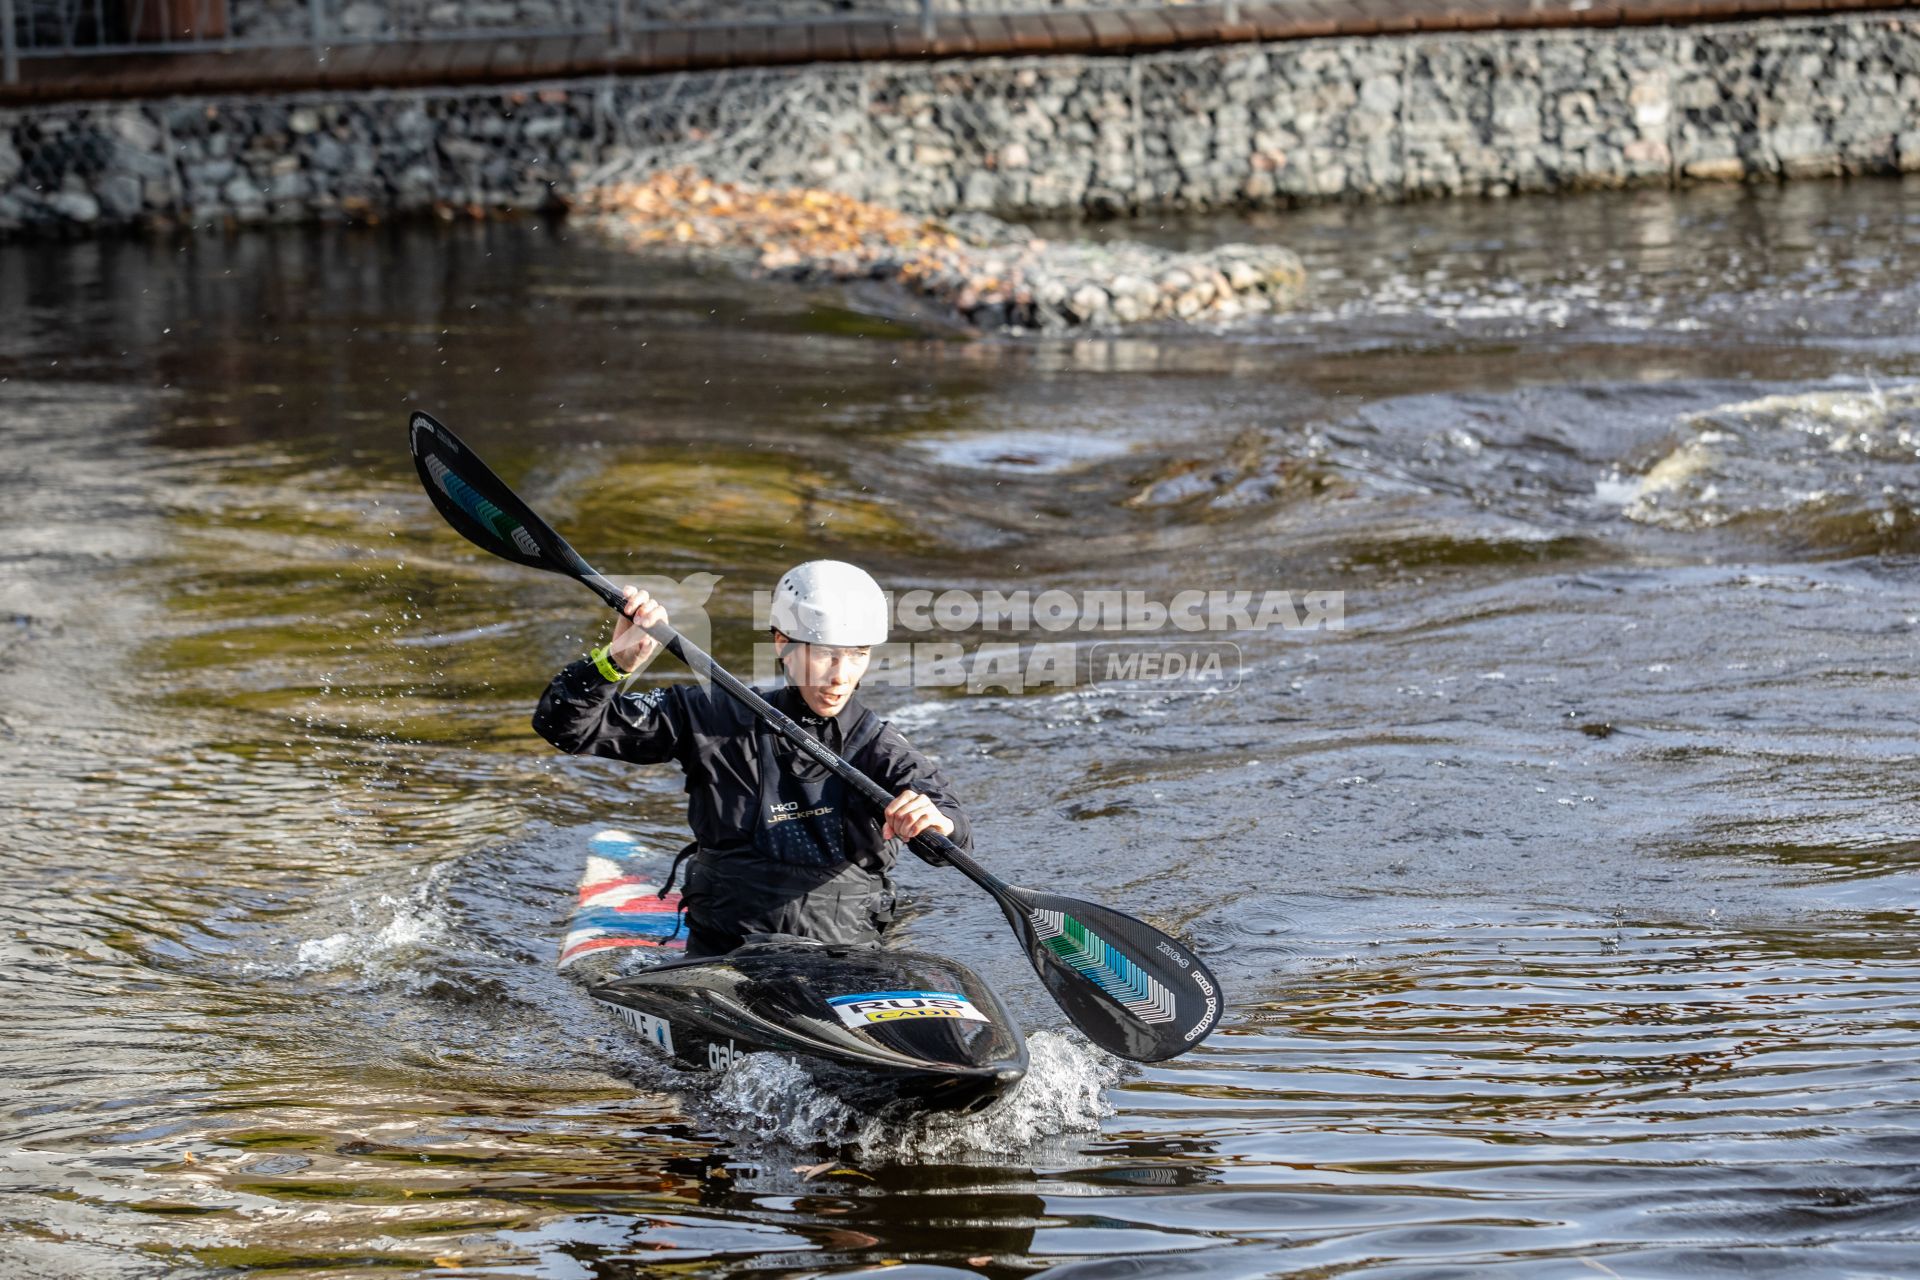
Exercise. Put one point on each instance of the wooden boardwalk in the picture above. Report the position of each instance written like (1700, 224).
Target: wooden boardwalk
(504, 59)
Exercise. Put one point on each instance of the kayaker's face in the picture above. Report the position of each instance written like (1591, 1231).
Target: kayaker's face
(826, 674)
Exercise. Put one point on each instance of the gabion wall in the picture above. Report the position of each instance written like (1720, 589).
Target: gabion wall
(1372, 119)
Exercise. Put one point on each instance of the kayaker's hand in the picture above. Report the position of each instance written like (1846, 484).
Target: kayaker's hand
(911, 813)
(632, 648)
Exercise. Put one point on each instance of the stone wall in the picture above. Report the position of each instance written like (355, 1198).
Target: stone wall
(1380, 119)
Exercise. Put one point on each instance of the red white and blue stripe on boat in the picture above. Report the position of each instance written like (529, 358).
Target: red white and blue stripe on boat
(620, 903)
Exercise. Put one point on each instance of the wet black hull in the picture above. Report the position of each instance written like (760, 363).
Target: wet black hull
(884, 1030)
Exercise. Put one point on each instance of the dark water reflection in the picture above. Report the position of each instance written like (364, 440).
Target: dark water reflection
(1566, 897)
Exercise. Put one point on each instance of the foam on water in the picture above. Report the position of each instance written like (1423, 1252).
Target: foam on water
(1837, 469)
(1029, 452)
(768, 1099)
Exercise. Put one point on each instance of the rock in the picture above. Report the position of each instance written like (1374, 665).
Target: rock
(992, 315)
(1090, 303)
(327, 155)
(303, 120)
(138, 163)
(1907, 151)
(978, 189)
(133, 128)
(1646, 154)
(1242, 276)
(75, 206)
(361, 18)
(1723, 170)
(465, 150)
(120, 196)
(1130, 308)
(1381, 94)
(983, 229)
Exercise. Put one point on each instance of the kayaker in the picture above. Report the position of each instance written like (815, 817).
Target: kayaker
(781, 845)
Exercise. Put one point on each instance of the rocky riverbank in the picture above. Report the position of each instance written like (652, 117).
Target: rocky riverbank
(991, 274)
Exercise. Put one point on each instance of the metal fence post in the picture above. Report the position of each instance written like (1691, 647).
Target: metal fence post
(316, 10)
(926, 18)
(9, 56)
(620, 25)
(1230, 13)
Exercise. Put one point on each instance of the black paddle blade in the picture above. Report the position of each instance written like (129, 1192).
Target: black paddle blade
(479, 505)
(1134, 991)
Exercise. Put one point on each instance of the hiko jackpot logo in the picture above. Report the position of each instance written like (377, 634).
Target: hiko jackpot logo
(893, 1006)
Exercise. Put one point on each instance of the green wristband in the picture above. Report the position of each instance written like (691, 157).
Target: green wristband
(603, 663)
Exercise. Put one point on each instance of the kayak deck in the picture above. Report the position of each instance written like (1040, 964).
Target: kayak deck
(876, 1027)
(880, 1029)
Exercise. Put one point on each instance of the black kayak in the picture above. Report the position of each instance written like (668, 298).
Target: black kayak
(881, 1029)
(887, 1031)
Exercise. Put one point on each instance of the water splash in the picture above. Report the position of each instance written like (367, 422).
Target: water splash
(397, 935)
(767, 1099)
(412, 928)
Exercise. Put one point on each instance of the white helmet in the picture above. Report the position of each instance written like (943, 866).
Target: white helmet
(829, 602)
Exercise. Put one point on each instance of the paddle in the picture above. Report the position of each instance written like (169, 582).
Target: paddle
(1132, 989)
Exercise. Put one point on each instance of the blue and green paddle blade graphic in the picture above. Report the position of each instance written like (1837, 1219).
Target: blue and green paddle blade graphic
(484, 513)
(1134, 990)
(1093, 958)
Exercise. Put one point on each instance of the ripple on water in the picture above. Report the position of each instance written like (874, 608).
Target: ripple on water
(303, 726)
(1504, 1091)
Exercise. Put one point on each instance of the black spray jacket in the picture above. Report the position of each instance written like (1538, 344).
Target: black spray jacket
(741, 819)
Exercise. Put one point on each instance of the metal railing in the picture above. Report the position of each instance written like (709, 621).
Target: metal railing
(68, 28)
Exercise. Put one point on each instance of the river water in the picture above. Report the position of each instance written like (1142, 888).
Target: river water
(1564, 897)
